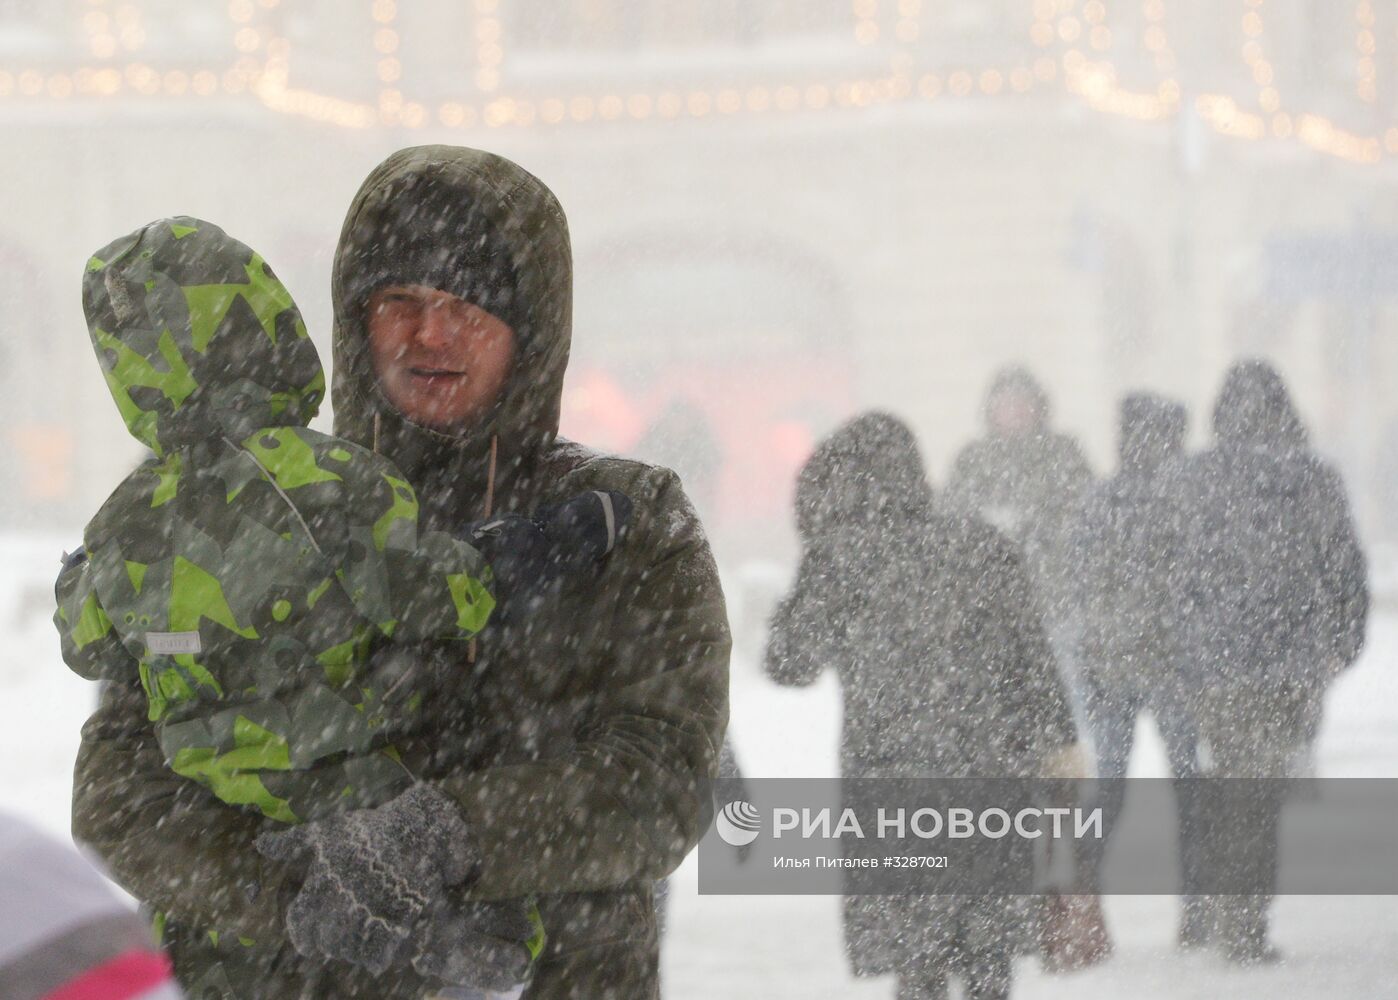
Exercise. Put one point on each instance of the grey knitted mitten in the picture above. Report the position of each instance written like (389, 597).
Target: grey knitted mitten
(485, 946)
(371, 874)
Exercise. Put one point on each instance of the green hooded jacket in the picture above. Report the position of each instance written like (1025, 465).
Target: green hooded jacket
(246, 572)
(580, 743)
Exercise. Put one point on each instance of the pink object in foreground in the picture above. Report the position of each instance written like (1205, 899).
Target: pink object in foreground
(135, 975)
(64, 932)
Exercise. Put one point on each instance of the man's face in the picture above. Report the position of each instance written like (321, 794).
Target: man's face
(441, 360)
(1013, 414)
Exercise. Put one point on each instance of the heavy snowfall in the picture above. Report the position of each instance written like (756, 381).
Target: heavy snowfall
(528, 410)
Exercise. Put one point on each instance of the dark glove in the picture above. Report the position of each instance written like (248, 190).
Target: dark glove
(581, 531)
(484, 946)
(371, 874)
(531, 557)
(518, 552)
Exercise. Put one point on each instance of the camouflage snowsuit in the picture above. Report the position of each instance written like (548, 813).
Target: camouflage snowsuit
(247, 571)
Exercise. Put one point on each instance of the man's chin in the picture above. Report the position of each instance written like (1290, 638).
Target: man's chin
(443, 419)
(442, 424)
(444, 413)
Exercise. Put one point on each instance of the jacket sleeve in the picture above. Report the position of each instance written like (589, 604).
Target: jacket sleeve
(1070, 481)
(1344, 587)
(808, 631)
(965, 492)
(89, 643)
(439, 589)
(1075, 471)
(628, 798)
(1092, 596)
(413, 584)
(1074, 488)
(165, 839)
(1085, 540)
(1185, 573)
(1046, 721)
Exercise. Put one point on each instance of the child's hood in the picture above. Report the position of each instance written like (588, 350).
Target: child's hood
(196, 336)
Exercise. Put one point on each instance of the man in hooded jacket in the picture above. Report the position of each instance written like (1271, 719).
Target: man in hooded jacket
(578, 743)
(1272, 606)
(1028, 480)
(1126, 545)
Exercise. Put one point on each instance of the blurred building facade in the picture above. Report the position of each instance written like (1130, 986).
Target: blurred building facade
(782, 209)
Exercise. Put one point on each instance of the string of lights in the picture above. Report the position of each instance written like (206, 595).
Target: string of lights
(1366, 82)
(1076, 41)
(489, 51)
(866, 21)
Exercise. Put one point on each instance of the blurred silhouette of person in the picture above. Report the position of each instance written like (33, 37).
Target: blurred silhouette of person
(929, 623)
(1125, 546)
(1028, 480)
(1273, 605)
(65, 933)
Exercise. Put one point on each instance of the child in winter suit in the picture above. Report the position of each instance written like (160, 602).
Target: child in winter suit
(246, 573)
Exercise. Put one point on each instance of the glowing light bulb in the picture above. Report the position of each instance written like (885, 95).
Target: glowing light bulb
(552, 110)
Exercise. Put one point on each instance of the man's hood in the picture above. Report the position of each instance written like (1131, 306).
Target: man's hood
(481, 227)
(867, 474)
(1152, 430)
(197, 337)
(1255, 409)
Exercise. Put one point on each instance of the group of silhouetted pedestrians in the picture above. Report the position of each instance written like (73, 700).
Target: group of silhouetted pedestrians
(976, 633)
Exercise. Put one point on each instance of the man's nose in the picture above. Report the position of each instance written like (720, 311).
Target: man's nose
(435, 329)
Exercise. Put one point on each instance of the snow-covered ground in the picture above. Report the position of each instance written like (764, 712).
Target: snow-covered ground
(770, 948)
(779, 947)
